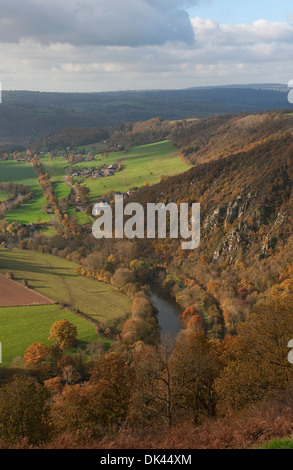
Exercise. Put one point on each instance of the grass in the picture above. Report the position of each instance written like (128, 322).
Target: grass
(56, 279)
(146, 163)
(55, 167)
(18, 172)
(48, 232)
(61, 190)
(24, 173)
(4, 195)
(285, 443)
(22, 326)
(79, 217)
(30, 211)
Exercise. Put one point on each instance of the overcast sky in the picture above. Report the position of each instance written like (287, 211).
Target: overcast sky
(105, 45)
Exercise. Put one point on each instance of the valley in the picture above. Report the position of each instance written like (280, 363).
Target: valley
(227, 303)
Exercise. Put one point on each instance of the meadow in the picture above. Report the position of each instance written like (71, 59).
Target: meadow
(3, 195)
(56, 169)
(22, 326)
(140, 165)
(55, 278)
(23, 173)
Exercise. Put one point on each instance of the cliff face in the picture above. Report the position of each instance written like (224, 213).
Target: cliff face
(246, 227)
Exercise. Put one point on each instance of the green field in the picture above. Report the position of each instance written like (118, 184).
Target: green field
(18, 172)
(56, 170)
(61, 190)
(22, 326)
(30, 211)
(56, 279)
(79, 217)
(54, 167)
(24, 173)
(146, 163)
(4, 195)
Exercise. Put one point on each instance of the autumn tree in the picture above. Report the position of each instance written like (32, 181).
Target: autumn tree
(196, 324)
(154, 395)
(257, 358)
(176, 378)
(99, 406)
(23, 411)
(195, 366)
(114, 378)
(54, 385)
(186, 316)
(36, 354)
(65, 333)
(76, 410)
(143, 325)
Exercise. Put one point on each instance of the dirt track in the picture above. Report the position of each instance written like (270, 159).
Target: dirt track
(13, 294)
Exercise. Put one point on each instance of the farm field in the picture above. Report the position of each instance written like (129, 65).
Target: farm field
(13, 294)
(145, 163)
(17, 172)
(54, 167)
(24, 173)
(61, 190)
(56, 279)
(22, 326)
(30, 211)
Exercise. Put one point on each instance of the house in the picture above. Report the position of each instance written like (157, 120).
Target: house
(103, 204)
(113, 167)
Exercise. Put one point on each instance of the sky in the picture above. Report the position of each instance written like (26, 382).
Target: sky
(110, 45)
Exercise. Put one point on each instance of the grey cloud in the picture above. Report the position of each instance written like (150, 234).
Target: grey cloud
(97, 22)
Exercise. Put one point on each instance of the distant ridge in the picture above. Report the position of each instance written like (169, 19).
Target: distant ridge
(26, 116)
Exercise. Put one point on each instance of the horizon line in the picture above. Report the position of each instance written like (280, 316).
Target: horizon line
(232, 85)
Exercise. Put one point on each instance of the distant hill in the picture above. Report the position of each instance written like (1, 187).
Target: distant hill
(217, 137)
(26, 116)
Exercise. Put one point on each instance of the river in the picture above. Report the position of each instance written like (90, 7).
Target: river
(168, 311)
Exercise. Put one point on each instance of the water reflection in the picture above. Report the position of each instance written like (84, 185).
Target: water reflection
(168, 311)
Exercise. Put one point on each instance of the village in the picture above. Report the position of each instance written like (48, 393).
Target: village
(102, 172)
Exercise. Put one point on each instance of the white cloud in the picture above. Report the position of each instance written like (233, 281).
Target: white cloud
(96, 58)
(260, 31)
(96, 22)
